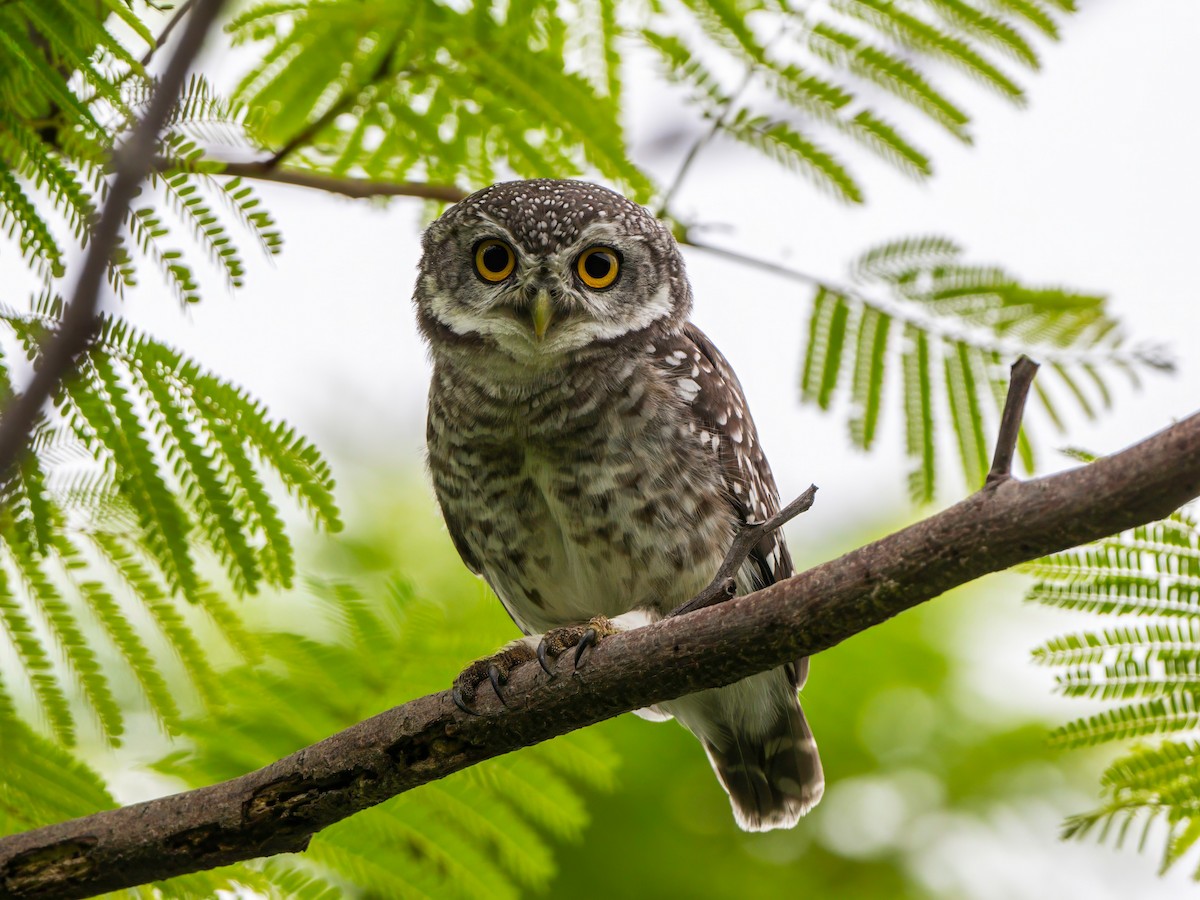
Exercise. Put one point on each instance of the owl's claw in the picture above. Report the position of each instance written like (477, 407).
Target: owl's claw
(497, 679)
(581, 637)
(589, 638)
(493, 670)
(457, 697)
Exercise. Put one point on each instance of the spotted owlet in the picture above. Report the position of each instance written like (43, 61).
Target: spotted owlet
(593, 455)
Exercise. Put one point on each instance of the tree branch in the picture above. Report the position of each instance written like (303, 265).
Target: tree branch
(165, 34)
(131, 163)
(358, 188)
(278, 808)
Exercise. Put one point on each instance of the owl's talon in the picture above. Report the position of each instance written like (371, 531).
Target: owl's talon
(497, 678)
(588, 639)
(559, 640)
(457, 697)
(493, 670)
(541, 658)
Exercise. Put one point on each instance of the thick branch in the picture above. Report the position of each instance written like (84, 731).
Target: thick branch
(131, 163)
(278, 808)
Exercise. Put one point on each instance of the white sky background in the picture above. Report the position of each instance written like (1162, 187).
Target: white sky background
(1094, 186)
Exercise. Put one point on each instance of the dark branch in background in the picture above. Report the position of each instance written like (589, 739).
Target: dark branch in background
(1023, 372)
(131, 163)
(358, 188)
(346, 101)
(277, 809)
(724, 583)
(710, 134)
(165, 34)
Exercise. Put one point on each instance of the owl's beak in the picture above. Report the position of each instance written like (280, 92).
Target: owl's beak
(542, 314)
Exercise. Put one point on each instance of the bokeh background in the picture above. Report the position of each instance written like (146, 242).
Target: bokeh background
(932, 726)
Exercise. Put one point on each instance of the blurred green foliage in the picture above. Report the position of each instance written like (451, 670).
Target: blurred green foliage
(910, 753)
(626, 808)
(903, 765)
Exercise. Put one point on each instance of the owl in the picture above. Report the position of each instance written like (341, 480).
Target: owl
(593, 456)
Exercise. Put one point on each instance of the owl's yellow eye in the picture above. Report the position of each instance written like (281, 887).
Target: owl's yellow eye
(494, 260)
(598, 267)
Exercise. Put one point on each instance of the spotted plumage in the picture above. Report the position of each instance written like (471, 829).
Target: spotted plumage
(592, 452)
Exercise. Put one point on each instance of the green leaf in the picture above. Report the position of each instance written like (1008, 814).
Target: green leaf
(790, 148)
(867, 389)
(975, 319)
(918, 414)
(915, 32)
(1151, 668)
(962, 392)
(989, 29)
(817, 344)
(890, 72)
(37, 664)
(1034, 12)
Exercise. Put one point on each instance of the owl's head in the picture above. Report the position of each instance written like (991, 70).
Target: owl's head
(539, 269)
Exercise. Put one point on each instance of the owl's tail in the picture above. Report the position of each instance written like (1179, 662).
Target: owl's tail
(774, 778)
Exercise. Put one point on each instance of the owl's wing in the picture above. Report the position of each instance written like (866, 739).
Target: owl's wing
(706, 381)
(444, 480)
(455, 527)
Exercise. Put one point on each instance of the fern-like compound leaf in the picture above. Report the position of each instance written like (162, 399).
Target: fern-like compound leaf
(148, 469)
(964, 324)
(1148, 672)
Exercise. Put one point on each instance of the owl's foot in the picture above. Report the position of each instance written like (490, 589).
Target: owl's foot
(559, 640)
(493, 669)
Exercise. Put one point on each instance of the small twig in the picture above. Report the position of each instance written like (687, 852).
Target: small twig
(724, 583)
(60, 349)
(718, 123)
(1023, 372)
(765, 265)
(358, 188)
(312, 129)
(306, 134)
(699, 144)
(165, 34)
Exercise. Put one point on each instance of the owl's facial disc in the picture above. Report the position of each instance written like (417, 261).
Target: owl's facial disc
(541, 269)
(541, 304)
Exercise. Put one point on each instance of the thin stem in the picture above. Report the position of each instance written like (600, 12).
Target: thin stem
(755, 262)
(347, 99)
(706, 138)
(1023, 372)
(165, 34)
(724, 583)
(358, 188)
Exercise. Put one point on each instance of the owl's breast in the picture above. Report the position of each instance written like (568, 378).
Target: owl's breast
(600, 510)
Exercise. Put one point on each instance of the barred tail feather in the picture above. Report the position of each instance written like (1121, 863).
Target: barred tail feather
(772, 779)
